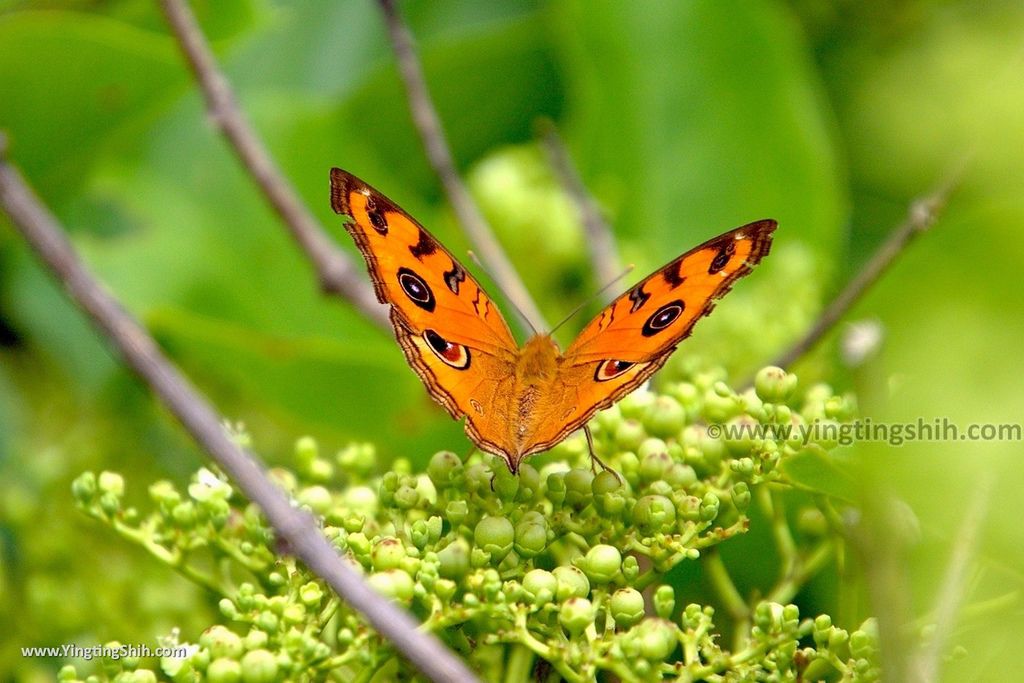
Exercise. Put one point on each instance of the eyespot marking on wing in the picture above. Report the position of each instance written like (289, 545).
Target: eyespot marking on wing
(663, 318)
(455, 355)
(610, 369)
(416, 289)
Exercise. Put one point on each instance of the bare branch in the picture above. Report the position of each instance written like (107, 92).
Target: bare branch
(428, 124)
(336, 272)
(922, 215)
(46, 237)
(604, 255)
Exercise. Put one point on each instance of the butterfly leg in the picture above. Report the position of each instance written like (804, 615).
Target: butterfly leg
(594, 460)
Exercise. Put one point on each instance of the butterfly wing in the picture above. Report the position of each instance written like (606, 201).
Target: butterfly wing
(635, 335)
(452, 334)
(656, 314)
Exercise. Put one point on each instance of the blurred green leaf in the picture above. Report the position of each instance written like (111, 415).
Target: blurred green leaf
(817, 471)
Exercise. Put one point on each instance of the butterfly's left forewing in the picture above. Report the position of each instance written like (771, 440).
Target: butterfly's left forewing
(426, 286)
(450, 331)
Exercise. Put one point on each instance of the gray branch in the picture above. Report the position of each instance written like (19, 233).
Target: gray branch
(336, 272)
(604, 254)
(138, 349)
(428, 124)
(921, 216)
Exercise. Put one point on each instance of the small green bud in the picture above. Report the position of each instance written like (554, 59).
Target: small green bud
(630, 568)
(311, 594)
(456, 511)
(268, 621)
(572, 582)
(664, 601)
(608, 493)
(505, 484)
(358, 459)
(741, 495)
(388, 553)
(227, 608)
(627, 606)
(654, 514)
(540, 586)
(259, 666)
(224, 670)
(811, 522)
(629, 435)
(680, 476)
(393, 583)
(822, 630)
(774, 385)
(110, 503)
(494, 535)
(293, 613)
(864, 641)
(164, 494)
(184, 514)
(601, 563)
(556, 487)
(576, 614)
(306, 450)
(709, 507)
(629, 464)
(657, 639)
(654, 459)
(445, 589)
(220, 641)
(529, 482)
(359, 544)
(636, 404)
(256, 639)
(454, 559)
(444, 468)
(720, 404)
(361, 500)
(478, 478)
(790, 617)
(316, 498)
(419, 535)
(605, 482)
(738, 435)
(112, 483)
(207, 487)
(83, 488)
(320, 470)
(531, 538)
(578, 493)
(406, 497)
(665, 417)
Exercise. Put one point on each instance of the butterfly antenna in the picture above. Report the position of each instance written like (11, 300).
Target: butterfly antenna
(586, 302)
(509, 299)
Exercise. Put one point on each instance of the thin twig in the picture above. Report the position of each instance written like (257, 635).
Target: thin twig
(922, 215)
(604, 255)
(46, 237)
(926, 665)
(428, 124)
(336, 272)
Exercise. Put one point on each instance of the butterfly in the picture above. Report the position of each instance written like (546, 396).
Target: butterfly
(521, 400)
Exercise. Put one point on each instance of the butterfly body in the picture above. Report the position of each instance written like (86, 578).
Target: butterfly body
(518, 401)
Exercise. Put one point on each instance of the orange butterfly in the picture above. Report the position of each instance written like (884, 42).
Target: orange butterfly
(522, 400)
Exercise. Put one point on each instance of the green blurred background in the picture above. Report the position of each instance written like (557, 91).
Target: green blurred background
(684, 118)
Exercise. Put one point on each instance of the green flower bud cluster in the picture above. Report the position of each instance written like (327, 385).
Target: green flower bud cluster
(560, 562)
